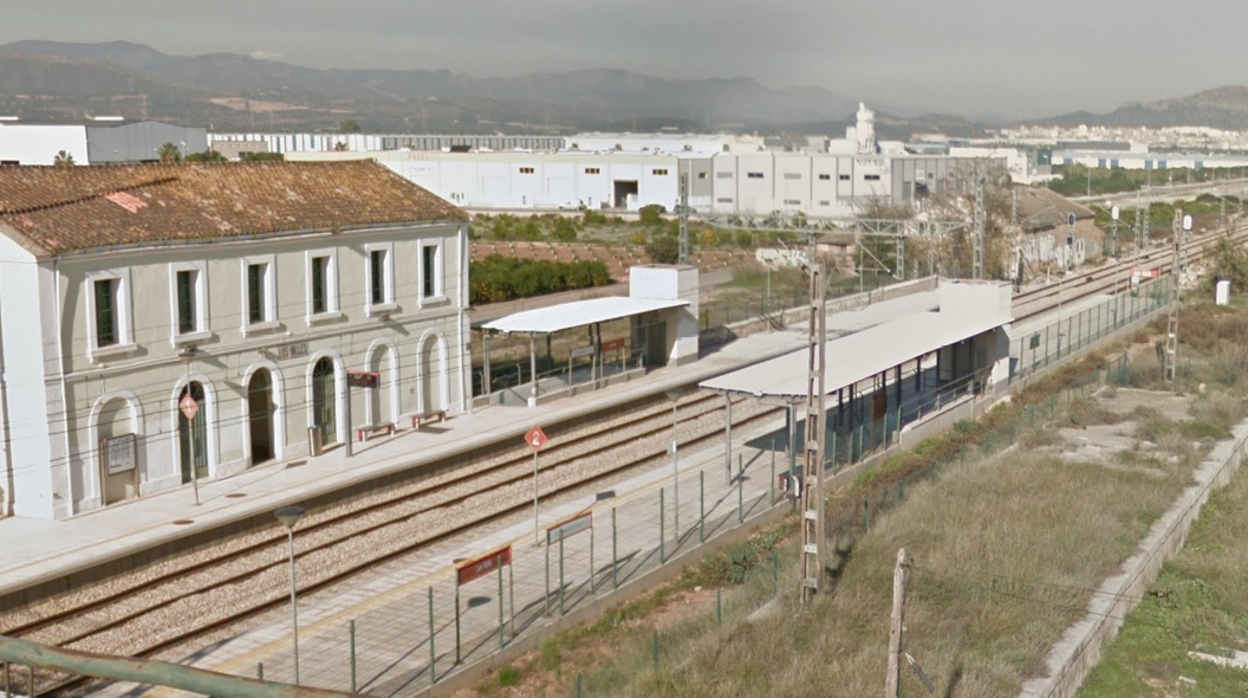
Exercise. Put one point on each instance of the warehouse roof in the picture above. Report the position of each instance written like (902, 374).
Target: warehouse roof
(858, 356)
(578, 314)
(52, 210)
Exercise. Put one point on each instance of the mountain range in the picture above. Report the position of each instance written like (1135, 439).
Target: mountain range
(61, 81)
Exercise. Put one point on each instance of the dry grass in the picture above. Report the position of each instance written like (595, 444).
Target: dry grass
(979, 536)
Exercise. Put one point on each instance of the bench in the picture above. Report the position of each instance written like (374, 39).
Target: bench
(426, 418)
(363, 433)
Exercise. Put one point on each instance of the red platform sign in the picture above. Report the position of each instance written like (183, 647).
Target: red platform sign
(613, 344)
(536, 438)
(471, 570)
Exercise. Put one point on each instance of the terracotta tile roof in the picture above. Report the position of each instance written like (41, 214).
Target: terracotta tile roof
(53, 210)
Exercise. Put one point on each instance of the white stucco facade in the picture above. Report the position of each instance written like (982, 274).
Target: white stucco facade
(62, 394)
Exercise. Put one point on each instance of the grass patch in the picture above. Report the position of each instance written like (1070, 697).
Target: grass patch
(1198, 603)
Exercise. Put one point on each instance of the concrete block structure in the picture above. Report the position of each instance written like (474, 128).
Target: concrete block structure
(669, 283)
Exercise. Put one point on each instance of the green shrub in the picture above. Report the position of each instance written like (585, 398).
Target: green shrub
(497, 278)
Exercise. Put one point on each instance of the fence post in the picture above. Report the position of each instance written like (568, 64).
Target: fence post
(740, 490)
(547, 549)
(351, 630)
(458, 644)
(772, 481)
(433, 657)
(701, 506)
(656, 650)
(592, 569)
(502, 618)
(615, 564)
(662, 529)
(866, 513)
(562, 584)
(579, 685)
(8, 678)
(719, 606)
(259, 675)
(775, 573)
(511, 595)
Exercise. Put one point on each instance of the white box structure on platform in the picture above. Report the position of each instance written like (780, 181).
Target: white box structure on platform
(672, 282)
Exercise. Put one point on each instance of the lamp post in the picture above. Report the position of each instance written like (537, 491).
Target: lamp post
(187, 356)
(674, 394)
(289, 516)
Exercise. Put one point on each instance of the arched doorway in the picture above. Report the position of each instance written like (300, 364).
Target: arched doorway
(323, 400)
(117, 441)
(260, 411)
(432, 375)
(193, 434)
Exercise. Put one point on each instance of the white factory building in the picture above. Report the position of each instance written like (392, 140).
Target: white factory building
(1144, 160)
(96, 141)
(727, 174)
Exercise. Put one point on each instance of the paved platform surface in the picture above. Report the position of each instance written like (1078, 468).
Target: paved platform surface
(38, 550)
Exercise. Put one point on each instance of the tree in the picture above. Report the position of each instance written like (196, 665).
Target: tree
(63, 159)
(663, 249)
(651, 215)
(340, 147)
(564, 230)
(263, 157)
(169, 153)
(349, 126)
(209, 155)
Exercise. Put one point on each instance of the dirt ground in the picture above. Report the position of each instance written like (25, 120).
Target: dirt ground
(1103, 443)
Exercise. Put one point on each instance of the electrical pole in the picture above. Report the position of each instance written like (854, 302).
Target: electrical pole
(977, 241)
(892, 682)
(683, 255)
(1016, 242)
(812, 487)
(1170, 356)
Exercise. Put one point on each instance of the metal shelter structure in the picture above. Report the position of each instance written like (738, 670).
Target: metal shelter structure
(544, 322)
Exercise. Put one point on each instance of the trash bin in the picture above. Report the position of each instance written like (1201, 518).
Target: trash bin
(314, 441)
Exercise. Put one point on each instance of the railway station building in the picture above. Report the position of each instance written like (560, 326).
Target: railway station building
(167, 323)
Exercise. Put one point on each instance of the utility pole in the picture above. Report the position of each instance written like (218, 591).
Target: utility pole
(977, 241)
(892, 682)
(683, 256)
(1170, 356)
(1016, 242)
(812, 487)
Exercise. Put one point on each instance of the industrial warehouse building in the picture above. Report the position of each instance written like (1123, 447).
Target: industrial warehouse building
(97, 141)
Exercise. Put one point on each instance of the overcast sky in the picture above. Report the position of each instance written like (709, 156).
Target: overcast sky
(1006, 57)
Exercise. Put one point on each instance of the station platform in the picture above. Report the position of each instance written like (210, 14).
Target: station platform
(40, 551)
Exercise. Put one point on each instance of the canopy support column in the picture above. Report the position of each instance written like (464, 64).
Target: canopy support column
(533, 371)
(485, 374)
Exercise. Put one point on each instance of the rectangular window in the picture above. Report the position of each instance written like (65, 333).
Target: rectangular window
(825, 203)
(431, 277)
(186, 283)
(792, 202)
(320, 284)
(377, 276)
(526, 170)
(659, 172)
(256, 301)
(723, 175)
(843, 178)
(593, 170)
(701, 175)
(871, 178)
(724, 200)
(106, 306)
(792, 175)
(754, 175)
(825, 177)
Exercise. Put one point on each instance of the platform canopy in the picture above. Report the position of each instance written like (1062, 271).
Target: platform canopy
(857, 357)
(568, 316)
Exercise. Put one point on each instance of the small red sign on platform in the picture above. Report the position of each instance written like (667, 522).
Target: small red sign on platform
(613, 344)
(189, 407)
(470, 570)
(536, 438)
(363, 379)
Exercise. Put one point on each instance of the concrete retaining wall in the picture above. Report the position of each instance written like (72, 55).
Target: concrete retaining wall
(1081, 647)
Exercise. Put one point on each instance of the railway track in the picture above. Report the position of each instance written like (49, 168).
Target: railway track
(97, 623)
(1074, 287)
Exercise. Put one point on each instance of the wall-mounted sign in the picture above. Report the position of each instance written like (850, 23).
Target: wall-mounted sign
(580, 352)
(119, 453)
(613, 344)
(362, 379)
(292, 351)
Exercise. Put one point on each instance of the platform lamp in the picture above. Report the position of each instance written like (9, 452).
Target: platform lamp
(289, 516)
(187, 356)
(674, 394)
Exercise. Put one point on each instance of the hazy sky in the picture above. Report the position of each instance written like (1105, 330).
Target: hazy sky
(1006, 57)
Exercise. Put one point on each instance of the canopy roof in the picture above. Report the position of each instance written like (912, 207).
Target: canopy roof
(567, 316)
